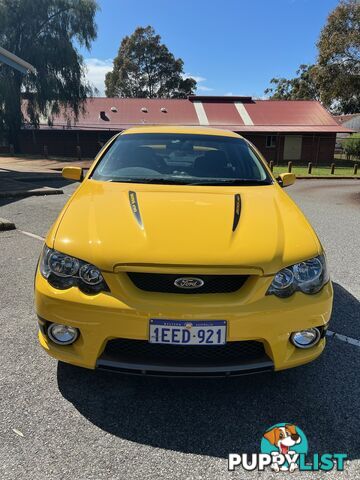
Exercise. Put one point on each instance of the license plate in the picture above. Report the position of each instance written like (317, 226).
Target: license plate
(180, 332)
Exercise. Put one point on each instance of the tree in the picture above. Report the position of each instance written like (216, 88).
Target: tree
(335, 78)
(302, 87)
(144, 67)
(351, 145)
(43, 33)
(338, 69)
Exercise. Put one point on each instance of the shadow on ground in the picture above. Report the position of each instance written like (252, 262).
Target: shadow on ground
(218, 416)
(15, 185)
(346, 314)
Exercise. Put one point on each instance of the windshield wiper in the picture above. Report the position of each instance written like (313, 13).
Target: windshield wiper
(160, 181)
(233, 181)
(178, 181)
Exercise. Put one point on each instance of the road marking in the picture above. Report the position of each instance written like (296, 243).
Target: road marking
(32, 235)
(343, 338)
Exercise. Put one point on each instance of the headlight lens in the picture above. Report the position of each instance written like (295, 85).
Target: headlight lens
(63, 271)
(308, 277)
(283, 279)
(63, 265)
(62, 334)
(307, 271)
(90, 274)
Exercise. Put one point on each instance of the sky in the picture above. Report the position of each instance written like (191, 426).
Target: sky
(231, 47)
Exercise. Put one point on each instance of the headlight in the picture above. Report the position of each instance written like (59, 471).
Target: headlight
(62, 334)
(308, 277)
(63, 271)
(90, 274)
(63, 265)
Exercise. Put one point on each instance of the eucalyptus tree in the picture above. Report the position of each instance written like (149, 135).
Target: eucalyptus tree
(47, 34)
(144, 67)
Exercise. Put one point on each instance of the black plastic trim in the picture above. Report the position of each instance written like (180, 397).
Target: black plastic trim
(165, 283)
(260, 366)
(237, 211)
(134, 204)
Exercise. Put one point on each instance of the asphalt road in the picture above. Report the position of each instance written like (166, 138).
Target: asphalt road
(61, 422)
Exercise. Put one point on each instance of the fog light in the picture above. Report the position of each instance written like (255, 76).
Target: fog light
(306, 338)
(62, 334)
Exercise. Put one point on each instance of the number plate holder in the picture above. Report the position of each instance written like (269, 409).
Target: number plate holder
(188, 332)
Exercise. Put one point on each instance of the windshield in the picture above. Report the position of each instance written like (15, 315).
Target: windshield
(184, 159)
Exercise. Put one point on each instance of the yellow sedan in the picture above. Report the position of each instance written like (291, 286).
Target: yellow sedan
(181, 254)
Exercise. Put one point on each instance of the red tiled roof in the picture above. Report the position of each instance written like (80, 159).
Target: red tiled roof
(240, 114)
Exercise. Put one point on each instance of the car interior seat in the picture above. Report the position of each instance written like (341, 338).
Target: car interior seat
(212, 164)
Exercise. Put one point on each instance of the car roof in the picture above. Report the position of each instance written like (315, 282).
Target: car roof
(178, 129)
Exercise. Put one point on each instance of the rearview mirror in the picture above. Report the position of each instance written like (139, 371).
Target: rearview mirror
(286, 179)
(72, 173)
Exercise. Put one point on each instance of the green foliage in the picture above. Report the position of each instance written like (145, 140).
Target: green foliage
(144, 67)
(44, 33)
(351, 145)
(302, 87)
(335, 78)
(338, 69)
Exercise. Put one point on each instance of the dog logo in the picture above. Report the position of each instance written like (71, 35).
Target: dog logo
(284, 441)
(284, 448)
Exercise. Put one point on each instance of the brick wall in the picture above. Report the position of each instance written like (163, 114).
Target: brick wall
(270, 153)
(316, 148)
(63, 142)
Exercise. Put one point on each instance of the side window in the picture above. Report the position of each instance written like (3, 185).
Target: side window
(270, 141)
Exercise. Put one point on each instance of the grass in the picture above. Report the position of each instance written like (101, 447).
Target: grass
(342, 157)
(321, 171)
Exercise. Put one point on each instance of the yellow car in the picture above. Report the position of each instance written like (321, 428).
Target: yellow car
(181, 254)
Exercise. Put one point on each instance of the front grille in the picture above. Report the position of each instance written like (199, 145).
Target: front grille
(140, 351)
(164, 283)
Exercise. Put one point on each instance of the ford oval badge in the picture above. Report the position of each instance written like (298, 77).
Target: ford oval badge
(189, 282)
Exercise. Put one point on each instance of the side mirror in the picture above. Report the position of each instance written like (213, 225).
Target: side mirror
(286, 179)
(73, 173)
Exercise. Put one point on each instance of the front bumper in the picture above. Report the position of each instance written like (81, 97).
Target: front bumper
(251, 316)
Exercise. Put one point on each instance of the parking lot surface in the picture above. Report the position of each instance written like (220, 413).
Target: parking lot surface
(63, 422)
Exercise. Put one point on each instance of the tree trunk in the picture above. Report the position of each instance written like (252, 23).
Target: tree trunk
(12, 109)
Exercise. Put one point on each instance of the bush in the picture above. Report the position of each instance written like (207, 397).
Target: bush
(352, 145)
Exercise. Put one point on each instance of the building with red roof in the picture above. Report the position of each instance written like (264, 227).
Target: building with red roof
(283, 130)
(351, 121)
